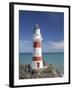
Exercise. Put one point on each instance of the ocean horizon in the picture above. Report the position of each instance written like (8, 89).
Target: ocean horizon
(54, 58)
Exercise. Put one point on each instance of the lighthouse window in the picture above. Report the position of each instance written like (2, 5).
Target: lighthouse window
(38, 65)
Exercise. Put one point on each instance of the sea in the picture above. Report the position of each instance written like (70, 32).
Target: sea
(56, 59)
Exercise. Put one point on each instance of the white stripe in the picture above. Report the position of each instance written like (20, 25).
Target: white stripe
(37, 37)
(37, 52)
(34, 64)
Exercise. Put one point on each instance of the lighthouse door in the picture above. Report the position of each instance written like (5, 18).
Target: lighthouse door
(38, 65)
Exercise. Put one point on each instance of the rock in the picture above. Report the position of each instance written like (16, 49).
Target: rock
(26, 72)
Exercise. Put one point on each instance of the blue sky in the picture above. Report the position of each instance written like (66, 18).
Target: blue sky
(52, 30)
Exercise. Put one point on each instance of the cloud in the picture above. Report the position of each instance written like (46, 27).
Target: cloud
(53, 46)
(48, 46)
(25, 46)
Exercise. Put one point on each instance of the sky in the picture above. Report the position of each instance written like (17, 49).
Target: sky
(52, 30)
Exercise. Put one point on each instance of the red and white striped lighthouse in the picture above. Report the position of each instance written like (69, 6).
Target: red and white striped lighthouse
(37, 62)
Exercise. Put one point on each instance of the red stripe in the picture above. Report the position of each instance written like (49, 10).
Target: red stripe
(36, 44)
(37, 58)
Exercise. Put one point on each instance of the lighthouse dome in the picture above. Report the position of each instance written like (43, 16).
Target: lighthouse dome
(37, 30)
(37, 26)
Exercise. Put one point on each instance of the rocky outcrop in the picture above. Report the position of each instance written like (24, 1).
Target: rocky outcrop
(26, 72)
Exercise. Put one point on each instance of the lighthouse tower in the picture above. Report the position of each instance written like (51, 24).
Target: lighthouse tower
(37, 62)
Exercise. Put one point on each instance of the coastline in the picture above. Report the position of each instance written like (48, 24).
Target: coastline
(56, 59)
(48, 71)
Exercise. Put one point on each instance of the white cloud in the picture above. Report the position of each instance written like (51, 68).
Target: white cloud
(25, 46)
(48, 46)
(53, 46)
(57, 45)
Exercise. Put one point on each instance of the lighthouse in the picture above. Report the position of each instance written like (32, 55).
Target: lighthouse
(37, 61)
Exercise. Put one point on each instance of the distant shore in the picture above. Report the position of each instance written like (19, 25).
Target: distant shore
(48, 71)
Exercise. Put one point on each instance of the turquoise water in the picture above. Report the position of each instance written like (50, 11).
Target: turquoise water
(57, 59)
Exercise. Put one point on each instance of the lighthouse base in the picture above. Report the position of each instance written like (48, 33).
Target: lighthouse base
(37, 64)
